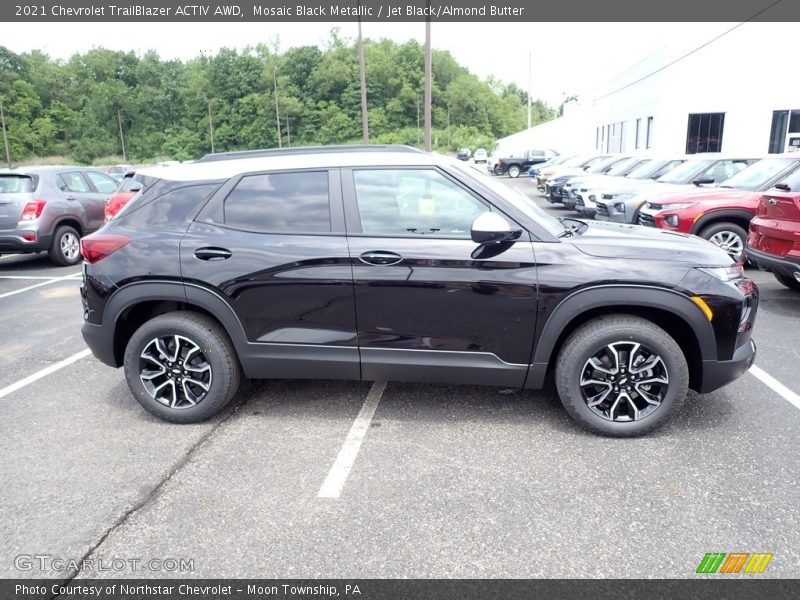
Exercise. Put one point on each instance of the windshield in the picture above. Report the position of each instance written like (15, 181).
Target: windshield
(757, 175)
(519, 200)
(685, 171)
(602, 165)
(622, 166)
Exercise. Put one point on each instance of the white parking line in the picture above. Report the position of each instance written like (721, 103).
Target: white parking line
(34, 277)
(775, 385)
(334, 482)
(43, 373)
(38, 285)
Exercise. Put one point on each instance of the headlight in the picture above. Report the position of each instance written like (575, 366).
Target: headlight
(725, 273)
(617, 196)
(678, 206)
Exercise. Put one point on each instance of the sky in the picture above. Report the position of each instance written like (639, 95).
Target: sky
(566, 58)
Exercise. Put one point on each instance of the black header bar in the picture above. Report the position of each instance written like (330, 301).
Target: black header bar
(399, 11)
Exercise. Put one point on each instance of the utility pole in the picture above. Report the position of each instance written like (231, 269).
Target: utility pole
(417, 119)
(448, 124)
(529, 90)
(288, 133)
(277, 115)
(363, 73)
(5, 135)
(121, 137)
(428, 79)
(210, 125)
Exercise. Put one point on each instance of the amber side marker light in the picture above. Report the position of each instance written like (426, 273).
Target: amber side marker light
(703, 306)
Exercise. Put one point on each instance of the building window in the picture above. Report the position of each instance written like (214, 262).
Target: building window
(638, 141)
(784, 123)
(649, 140)
(596, 138)
(704, 133)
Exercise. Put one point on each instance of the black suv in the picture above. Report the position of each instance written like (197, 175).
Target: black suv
(389, 263)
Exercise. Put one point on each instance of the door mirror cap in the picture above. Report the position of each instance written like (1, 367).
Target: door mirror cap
(703, 180)
(491, 228)
(784, 187)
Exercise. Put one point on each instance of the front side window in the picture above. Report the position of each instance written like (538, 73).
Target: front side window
(758, 174)
(395, 202)
(102, 183)
(723, 169)
(280, 203)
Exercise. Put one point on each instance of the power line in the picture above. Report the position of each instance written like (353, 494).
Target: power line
(688, 54)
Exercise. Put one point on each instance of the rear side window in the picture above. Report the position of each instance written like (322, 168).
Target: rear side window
(15, 184)
(172, 208)
(72, 181)
(280, 203)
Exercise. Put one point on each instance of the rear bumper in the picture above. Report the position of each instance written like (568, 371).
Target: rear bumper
(787, 267)
(718, 373)
(100, 343)
(15, 244)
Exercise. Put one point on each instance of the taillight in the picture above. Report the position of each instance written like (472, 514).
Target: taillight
(33, 210)
(99, 245)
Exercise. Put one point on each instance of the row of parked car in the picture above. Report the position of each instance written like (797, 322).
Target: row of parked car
(748, 206)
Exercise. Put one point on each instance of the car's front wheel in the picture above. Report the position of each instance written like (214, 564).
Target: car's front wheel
(514, 171)
(728, 236)
(789, 282)
(621, 376)
(181, 367)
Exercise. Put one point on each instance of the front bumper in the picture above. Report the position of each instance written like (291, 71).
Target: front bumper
(768, 261)
(718, 373)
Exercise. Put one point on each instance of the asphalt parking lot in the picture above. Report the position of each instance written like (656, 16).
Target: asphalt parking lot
(448, 481)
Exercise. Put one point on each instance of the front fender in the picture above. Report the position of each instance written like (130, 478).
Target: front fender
(634, 296)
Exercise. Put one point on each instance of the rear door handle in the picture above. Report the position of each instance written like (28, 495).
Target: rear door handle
(380, 257)
(71, 198)
(213, 253)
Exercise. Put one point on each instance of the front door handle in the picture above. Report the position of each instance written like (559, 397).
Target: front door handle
(213, 253)
(71, 198)
(380, 257)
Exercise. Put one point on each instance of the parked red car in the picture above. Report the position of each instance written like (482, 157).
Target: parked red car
(128, 188)
(774, 240)
(720, 214)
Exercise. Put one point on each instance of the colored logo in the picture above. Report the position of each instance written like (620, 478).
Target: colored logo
(734, 562)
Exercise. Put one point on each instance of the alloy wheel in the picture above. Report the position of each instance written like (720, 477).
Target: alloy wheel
(624, 381)
(70, 245)
(175, 371)
(728, 241)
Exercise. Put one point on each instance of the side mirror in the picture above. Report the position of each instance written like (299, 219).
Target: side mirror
(491, 228)
(703, 180)
(784, 187)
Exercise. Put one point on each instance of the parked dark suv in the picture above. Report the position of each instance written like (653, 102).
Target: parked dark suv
(389, 263)
(50, 208)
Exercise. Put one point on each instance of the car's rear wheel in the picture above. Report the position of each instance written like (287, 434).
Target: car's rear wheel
(728, 236)
(514, 171)
(65, 249)
(621, 376)
(181, 367)
(789, 282)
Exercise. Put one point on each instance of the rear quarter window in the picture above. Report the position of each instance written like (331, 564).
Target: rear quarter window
(170, 208)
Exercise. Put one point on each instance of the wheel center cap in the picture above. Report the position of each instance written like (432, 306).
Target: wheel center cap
(176, 371)
(623, 380)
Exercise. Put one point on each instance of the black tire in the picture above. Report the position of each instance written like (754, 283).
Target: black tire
(514, 171)
(726, 229)
(215, 349)
(623, 331)
(65, 247)
(789, 282)
(498, 170)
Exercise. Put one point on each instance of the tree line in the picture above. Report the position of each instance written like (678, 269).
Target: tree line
(85, 108)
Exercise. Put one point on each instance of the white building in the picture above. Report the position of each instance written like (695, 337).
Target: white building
(739, 94)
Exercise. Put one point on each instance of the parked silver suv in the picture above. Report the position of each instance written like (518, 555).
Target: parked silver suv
(50, 209)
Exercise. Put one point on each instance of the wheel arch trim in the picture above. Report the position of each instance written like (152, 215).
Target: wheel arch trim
(710, 217)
